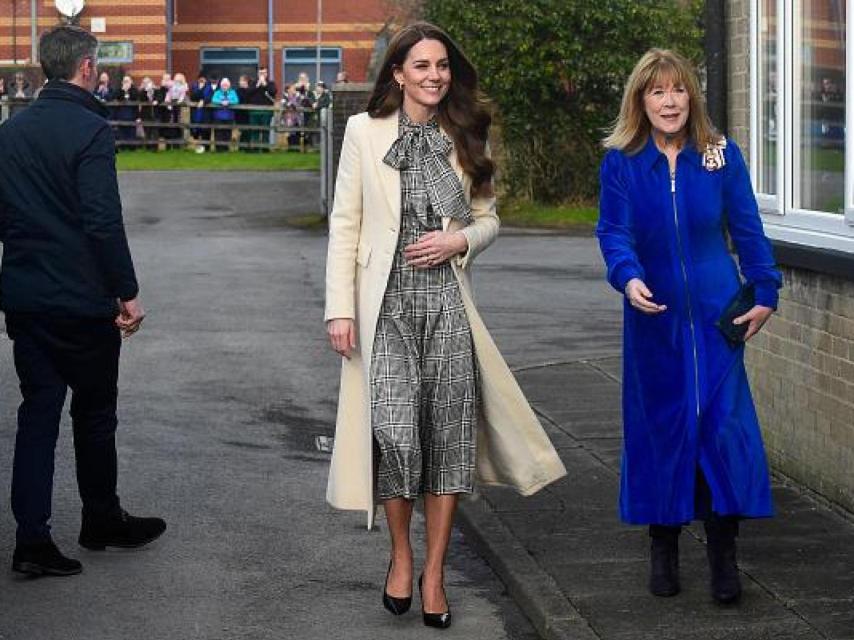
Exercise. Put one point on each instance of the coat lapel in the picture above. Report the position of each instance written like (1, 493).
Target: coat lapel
(382, 137)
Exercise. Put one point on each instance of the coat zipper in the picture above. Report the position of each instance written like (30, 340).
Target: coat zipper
(687, 291)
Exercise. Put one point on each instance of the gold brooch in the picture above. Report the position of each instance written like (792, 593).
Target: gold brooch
(713, 156)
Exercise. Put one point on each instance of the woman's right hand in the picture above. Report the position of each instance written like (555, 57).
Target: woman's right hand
(640, 297)
(342, 335)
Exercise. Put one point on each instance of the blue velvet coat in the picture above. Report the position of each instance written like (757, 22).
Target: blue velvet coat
(686, 399)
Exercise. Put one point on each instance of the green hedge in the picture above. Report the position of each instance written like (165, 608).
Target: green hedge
(555, 70)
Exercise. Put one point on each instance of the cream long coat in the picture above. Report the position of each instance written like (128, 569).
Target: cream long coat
(512, 448)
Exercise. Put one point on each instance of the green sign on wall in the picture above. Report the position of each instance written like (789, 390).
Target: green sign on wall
(115, 52)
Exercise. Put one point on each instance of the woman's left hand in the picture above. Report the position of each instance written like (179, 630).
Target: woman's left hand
(757, 317)
(434, 248)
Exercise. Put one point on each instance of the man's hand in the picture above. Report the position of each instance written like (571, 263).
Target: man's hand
(131, 315)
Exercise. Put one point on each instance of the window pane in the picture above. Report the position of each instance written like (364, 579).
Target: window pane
(767, 160)
(822, 108)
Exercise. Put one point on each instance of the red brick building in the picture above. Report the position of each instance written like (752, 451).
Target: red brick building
(149, 37)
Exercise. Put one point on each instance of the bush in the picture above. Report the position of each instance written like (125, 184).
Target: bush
(555, 70)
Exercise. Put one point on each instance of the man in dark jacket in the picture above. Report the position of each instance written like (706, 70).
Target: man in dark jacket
(69, 292)
(262, 94)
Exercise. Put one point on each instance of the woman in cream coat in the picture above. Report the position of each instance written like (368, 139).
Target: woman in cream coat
(425, 81)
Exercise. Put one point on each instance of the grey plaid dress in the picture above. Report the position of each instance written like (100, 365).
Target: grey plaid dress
(423, 374)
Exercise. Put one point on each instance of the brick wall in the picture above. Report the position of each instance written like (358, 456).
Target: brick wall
(352, 25)
(801, 365)
(738, 65)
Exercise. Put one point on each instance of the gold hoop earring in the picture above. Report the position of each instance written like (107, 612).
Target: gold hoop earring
(400, 84)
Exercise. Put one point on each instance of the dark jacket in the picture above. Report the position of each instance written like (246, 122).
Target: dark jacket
(65, 252)
(265, 95)
(126, 113)
(197, 94)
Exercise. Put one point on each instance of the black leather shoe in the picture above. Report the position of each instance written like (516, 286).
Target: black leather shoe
(720, 551)
(120, 530)
(437, 620)
(397, 606)
(43, 559)
(664, 561)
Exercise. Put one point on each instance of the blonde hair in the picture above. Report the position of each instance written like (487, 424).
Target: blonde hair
(631, 129)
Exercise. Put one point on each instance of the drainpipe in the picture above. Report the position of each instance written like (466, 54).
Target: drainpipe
(14, 31)
(715, 45)
(170, 19)
(319, 36)
(271, 73)
(34, 31)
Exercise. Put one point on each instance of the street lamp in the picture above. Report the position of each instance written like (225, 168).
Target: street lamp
(70, 10)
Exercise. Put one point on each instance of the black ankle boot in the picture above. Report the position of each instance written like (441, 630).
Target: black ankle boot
(119, 530)
(43, 559)
(664, 560)
(720, 550)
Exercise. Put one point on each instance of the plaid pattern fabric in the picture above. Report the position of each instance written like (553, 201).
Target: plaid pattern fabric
(423, 374)
(423, 148)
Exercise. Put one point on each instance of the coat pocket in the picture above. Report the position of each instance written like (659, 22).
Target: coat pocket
(363, 254)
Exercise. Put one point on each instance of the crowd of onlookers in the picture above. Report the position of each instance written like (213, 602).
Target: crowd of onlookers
(154, 113)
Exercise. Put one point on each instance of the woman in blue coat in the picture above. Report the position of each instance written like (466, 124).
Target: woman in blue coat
(672, 187)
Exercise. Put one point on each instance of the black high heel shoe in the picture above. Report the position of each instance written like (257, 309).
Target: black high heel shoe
(437, 620)
(397, 606)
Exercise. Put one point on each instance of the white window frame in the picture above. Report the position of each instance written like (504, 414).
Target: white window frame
(782, 220)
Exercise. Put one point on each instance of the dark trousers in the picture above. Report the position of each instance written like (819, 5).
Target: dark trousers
(52, 355)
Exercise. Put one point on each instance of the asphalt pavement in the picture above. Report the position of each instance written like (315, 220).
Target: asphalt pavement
(223, 395)
(228, 393)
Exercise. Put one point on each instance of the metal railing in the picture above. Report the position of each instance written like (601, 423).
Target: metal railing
(211, 127)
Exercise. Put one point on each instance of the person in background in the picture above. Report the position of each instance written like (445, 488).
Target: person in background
(200, 96)
(241, 116)
(163, 108)
(303, 83)
(128, 113)
(20, 93)
(263, 95)
(672, 188)
(322, 96)
(291, 113)
(342, 77)
(21, 88)
(177, 99)
(103, 91)
(69, 292)
(223, 117)
(147, 94)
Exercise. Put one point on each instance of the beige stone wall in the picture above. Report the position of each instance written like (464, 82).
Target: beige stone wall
(802, 365)
(802, 374)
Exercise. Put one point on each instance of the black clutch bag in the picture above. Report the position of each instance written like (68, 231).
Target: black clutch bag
(742, 302)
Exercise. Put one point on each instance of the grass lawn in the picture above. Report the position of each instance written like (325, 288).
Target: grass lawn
(516, 214)
(526, 214)
(184, 160)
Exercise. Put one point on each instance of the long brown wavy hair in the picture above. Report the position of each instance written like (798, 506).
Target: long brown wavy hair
(463, 113)
(631, 129)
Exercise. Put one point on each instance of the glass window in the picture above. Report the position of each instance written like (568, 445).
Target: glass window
(819, 94)
(767, 105)
(304, 60)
